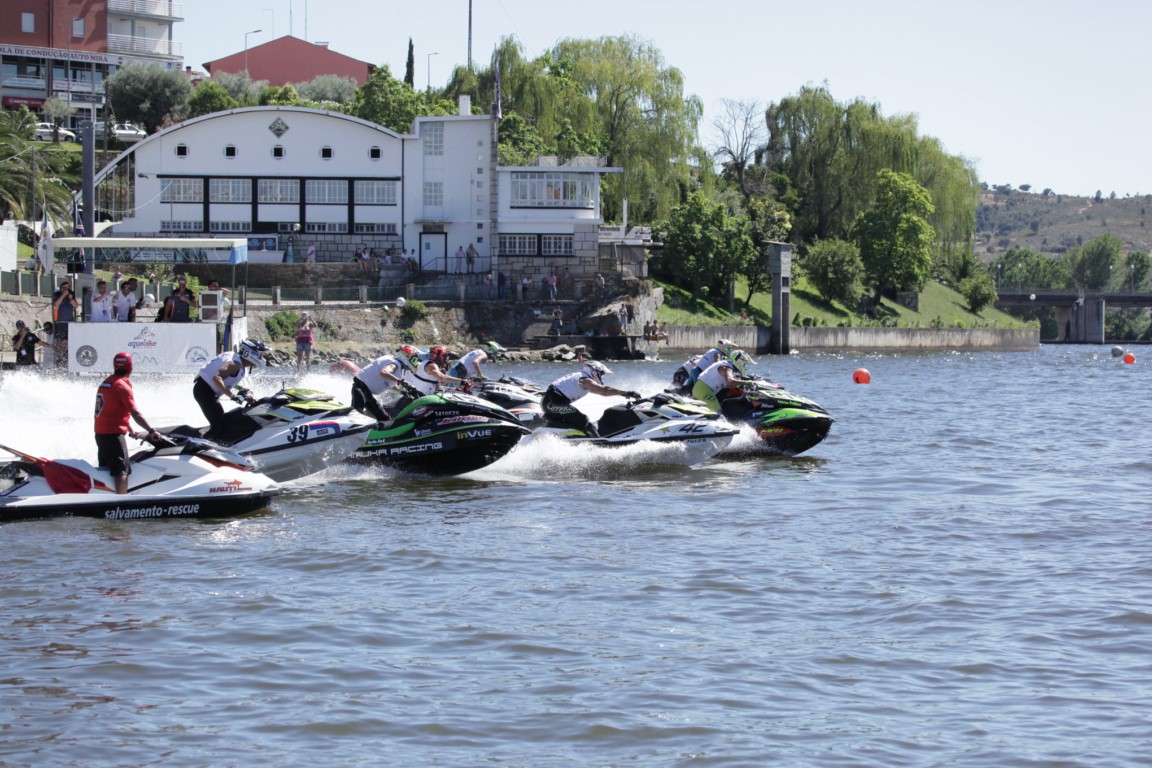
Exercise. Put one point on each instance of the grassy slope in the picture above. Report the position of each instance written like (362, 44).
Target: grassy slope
(940, 306)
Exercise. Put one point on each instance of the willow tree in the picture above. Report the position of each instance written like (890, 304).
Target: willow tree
(832, 152)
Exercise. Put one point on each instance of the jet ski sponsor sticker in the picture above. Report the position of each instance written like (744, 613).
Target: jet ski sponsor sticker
(136, 513)
(232, 486)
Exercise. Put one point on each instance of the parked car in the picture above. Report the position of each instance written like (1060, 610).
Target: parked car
(47, 132)
(129, 133)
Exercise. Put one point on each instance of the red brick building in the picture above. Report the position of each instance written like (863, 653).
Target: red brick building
(289, 59)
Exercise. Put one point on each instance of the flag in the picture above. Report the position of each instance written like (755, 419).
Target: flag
(226, 337)
(44, 250)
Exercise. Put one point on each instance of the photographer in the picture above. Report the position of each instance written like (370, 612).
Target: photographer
(64, 308)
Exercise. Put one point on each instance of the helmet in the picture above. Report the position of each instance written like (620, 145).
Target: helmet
(438, 355)
(596, 370)
(493, 349)
(122, 363)
(727, 346)
(253, 351)
(741, 360)
(409, 356)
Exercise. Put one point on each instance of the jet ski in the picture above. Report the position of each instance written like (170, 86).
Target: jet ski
(786, 423)
(177, 477)
(666, 419)
(290, 434)
(448, 433)
(518, 396)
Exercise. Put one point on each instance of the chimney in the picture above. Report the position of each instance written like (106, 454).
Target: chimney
(465, 105)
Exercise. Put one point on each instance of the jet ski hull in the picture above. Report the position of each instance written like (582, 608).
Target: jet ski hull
(445, 434)
(112, 506)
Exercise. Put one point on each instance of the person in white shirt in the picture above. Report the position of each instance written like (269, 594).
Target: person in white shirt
(124, 303)
(100, 304)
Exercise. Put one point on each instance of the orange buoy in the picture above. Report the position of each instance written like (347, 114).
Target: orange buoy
(861, 376)
(1129, 358)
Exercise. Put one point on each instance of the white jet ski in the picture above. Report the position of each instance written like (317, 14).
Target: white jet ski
(690, 439)
(290, 434)
(179, 477)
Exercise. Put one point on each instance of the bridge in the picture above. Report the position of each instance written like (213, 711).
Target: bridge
(1079, 314)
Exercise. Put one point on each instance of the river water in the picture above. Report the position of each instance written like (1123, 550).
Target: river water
(960, 575)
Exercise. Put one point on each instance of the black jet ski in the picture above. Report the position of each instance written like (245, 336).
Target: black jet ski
(448, 433)
(518, 396)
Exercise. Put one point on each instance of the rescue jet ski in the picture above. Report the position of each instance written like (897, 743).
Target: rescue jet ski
(290, 434)
(692, 433)
(448, 433)
(177, 477)
(518, 396)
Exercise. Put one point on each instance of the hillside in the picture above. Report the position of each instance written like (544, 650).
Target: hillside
(1052, 223)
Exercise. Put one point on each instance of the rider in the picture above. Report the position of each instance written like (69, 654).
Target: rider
(681, 375)
(114, 405)
(722, 375)
(427, 375)
(724, 349)
(469, 364)
(558, 399)
(374, 379)
(221, 374)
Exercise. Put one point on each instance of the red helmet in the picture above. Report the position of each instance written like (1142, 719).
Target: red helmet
(438, 355)
(122, 363)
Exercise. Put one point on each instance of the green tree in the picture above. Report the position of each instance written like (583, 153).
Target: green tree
(1092, 264)
(978, 289)
(241, 87)
(831, 153)
(210, 97)
(283, 94)
(393, 104)
(31, 178)
(148, 94)
(410, 67)
(835, 270)
(55, 111)
(328, 88)
(519, 143)
(894, 235)
(1136, 266)
(704, 246)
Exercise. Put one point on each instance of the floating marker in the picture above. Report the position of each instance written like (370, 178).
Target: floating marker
(861, 376)
(400, 301)
(1129, 358)
(1117, 351)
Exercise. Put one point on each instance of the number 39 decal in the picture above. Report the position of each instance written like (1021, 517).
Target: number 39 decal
(298, 434)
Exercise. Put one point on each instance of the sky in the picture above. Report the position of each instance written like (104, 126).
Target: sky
(1048, 93)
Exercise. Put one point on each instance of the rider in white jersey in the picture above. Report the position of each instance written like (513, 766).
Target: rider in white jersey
(562, 393)
(722, 375)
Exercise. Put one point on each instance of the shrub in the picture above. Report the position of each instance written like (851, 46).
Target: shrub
(413, 310)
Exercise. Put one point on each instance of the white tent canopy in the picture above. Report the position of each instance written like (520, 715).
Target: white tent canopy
(237, 246)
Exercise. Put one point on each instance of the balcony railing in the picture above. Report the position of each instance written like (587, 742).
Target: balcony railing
(155, 8)
(145, 46)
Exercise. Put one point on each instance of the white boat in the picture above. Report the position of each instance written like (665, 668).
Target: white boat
(182, 477)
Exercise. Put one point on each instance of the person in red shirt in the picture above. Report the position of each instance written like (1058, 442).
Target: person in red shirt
(114, 405)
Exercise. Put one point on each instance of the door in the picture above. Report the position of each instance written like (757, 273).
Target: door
(434, 251)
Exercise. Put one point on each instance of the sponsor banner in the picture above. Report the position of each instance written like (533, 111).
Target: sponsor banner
(11, 102)
(155, 347)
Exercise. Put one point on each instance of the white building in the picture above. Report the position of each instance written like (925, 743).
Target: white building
(306, 176)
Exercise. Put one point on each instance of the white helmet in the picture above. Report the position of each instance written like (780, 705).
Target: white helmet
(596, 370)
(253, 351)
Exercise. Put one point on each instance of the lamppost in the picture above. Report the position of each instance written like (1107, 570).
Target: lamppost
(246, 47)
(434, 53)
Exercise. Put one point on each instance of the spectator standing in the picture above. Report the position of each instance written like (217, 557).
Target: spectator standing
(311, 253)
(470, 256)
(459, 259)
(304, 341)
(551, 281)
(488, 285)
(24, 344)
(183, 302)
(124, 303)
(64, 308)
(100, 305)
(501, 286)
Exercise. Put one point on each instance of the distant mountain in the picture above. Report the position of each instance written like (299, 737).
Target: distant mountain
(1051, 223)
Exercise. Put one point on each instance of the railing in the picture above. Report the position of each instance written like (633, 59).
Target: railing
(152, 46)
(161, 8)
